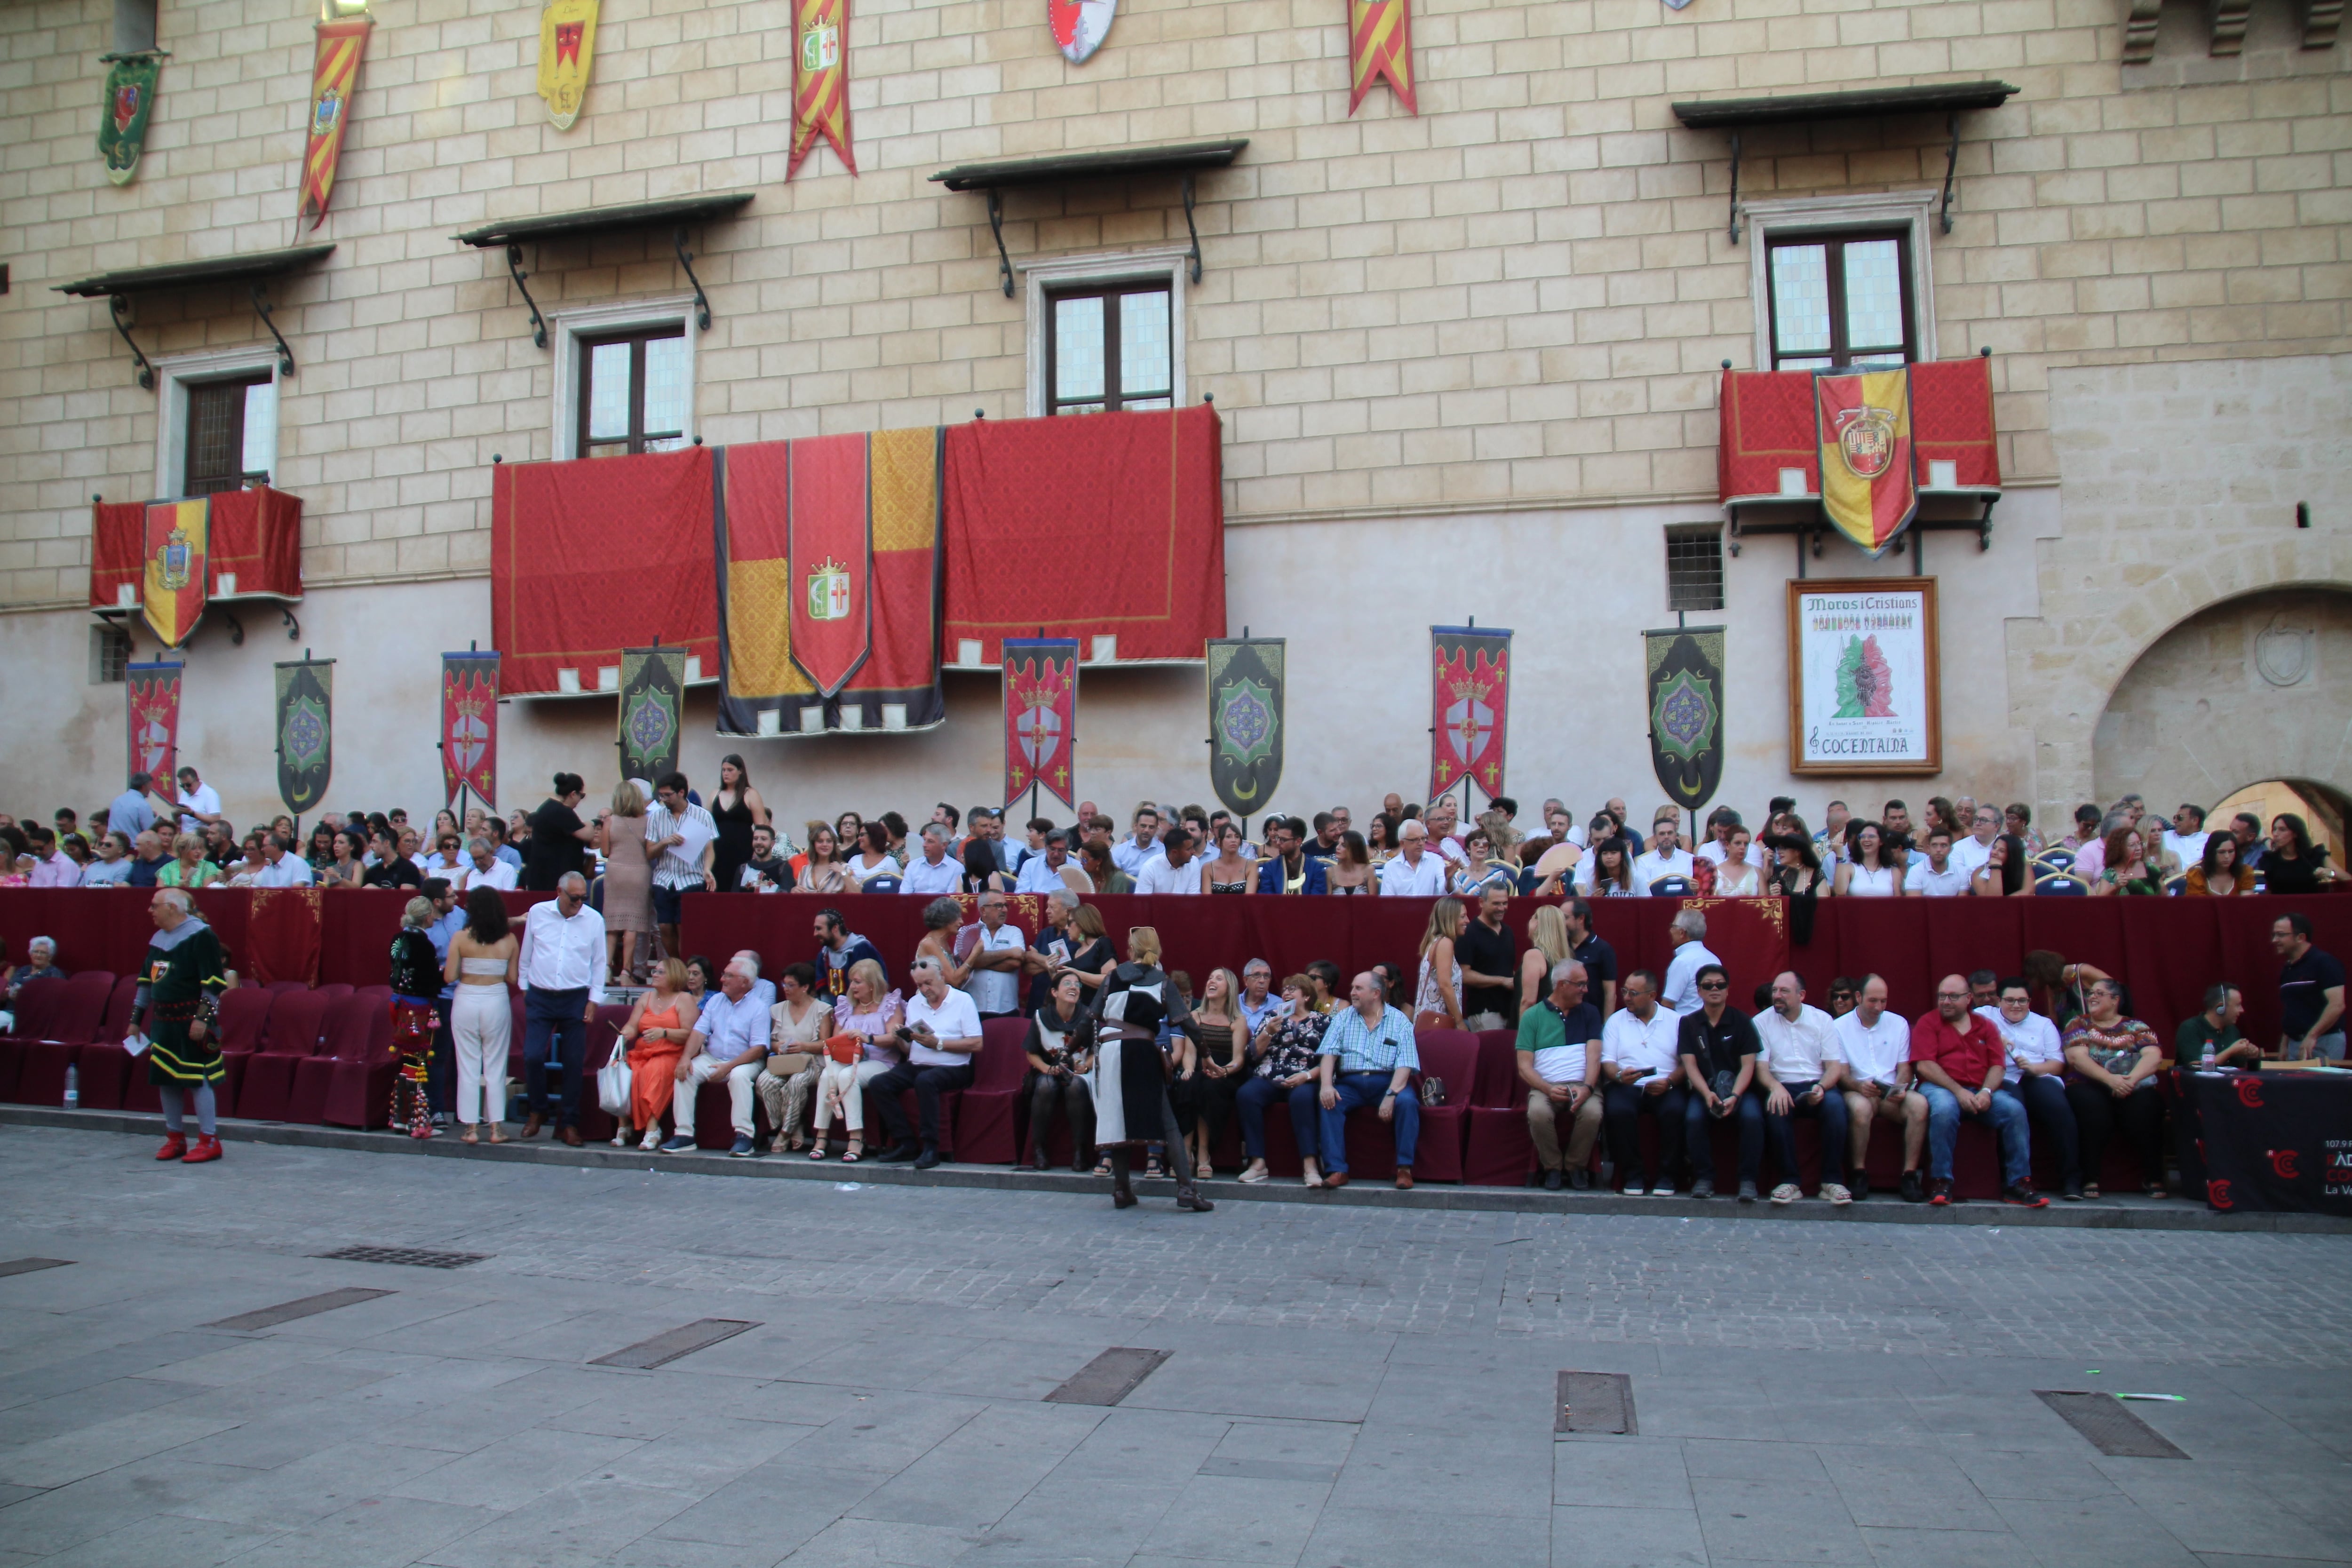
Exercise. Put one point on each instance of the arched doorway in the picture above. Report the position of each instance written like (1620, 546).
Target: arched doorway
(2252, 689)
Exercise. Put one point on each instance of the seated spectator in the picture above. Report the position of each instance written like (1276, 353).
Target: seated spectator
(823, 871)
(1438, 995)
(1606, 871)
(1876, 1044)
(2125, 867)
(1665, 857)
(1203, 1093)
(660, 1023)
(2293, 863)
(1801, 1066)
(2219, 873)
(874, 859)
(1871, 868)
(112, 867)
(1229, 870)
(1415, 873)
(730, 1041)
(1717, 1045)
(1042, 872)
(321, 853)
(188, 868)
(148, 859)
(1961, 1067)
(1934, 875)
(942, 1034)
(1560, 1065)
(1479, 869)
(934, 872)
(1979, 830)
(942, 919)
(40, 963)
(1281, 1067)
(799, 1023)
(1736, 875)
(2035, 1073)
(348, 868)
(1171, 870)
(2016, 821)
(390, 868)
(864, 1044)
(767, 871)
(1259, 1001)
(483, 869)
(2215, 1030)
(52, 867)
(1057, 1075)
(448, 857)
(2111, 1063)
(2007, 871)
(1641, 1046)
(1098, 871)
(242, 872)
(1352, 873)
(1367, 1056)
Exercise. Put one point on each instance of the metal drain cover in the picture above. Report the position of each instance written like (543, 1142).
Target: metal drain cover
(1595, 1401)
(2112, 1429)
(408, 1257)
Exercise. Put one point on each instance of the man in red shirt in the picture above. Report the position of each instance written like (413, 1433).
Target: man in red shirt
(1957, 1058)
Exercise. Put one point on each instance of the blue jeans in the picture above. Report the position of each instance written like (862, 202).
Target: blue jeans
(1251, 1101)
(1697, 1139)
(1369, 1088)
(1830, 1113)
(2007, 1118)
(2050, 1116)
(555, 1037)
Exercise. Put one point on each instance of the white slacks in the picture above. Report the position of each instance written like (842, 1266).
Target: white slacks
(739, 1094)
(481, 1029)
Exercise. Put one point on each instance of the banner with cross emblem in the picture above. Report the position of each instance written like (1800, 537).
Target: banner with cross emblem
(470, 725)
(1041, 716)
(306, 732)
(1245, 725)
(153, 692)
(1686, 692)
(1470, 691)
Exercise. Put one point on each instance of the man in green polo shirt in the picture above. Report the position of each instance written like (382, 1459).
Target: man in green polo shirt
(2216, 1028)
(1559, 1063)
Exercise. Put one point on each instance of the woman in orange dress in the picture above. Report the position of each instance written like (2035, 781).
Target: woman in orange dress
(655, 1037)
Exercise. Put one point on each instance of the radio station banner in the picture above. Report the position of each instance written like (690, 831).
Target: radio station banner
(1041, 718)
(1685, 705)
(1470, 699)
(1864, 677)
(154, 708)
(1246, 720)
(470, 725)
(306, 735)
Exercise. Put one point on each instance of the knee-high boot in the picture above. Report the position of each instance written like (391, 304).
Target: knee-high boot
(1122, 1196)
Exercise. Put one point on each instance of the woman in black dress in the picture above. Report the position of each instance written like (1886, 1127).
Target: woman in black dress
(737, 809)
(1129, 1082)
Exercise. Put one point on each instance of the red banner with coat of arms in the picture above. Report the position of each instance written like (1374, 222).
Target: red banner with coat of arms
(334, 78)
(177, 548)
(1869, 490)
(1041, 716)
(1470, 692)
(470, 725)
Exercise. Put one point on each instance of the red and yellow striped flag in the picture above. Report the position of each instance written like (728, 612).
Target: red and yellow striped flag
(820, 79)
(1868, 487)
(1379, 43)
(333, 80)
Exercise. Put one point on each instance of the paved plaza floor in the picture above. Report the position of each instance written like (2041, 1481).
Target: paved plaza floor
(1342, 1387)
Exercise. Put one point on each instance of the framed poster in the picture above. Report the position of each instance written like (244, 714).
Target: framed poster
(1865, 687)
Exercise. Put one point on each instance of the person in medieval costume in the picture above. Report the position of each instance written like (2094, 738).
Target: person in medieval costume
(180, 985)
(1128, 1083)
(416, 983)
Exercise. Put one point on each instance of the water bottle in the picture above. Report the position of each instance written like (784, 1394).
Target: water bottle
(73, 1087)
(2208, 1062)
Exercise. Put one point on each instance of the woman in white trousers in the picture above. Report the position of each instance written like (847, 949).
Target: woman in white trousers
(481, 1017)
(868, 1019)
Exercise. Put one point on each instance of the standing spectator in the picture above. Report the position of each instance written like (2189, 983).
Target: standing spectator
(1057, 1080)
(132, 812)
(935, 873)
(1438, 995)
(2036, 1074)
(2215, 1030)
(1487, 954)
(1876, 1044)
(735, 810)
(558, 841)
(188, 868)
(942, 1035)
(2112, 1061)
(2219, 873)
(1962, 1064)
(1800, 1068)
(999, 953)
(2311, 992)
(729, 1042)
(1548, 947)
(199, 804)
(1367, 1057)
(416, 975)
(1936, 875)
(1600, 959)
(1642, 1045)
(1559, 1047)
(684, 839)
(798, 1025)
(112, 867)
(1717, 1045)
(1796, 875)
(1414, 873)
(2294, 864)
(1688, 931)
(563, 971)
(481, 963)
(837, 951)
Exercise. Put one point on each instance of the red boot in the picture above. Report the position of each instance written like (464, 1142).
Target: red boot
(206, 1147)
(175, 1145)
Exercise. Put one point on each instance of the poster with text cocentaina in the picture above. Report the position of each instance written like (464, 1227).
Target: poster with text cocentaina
(1864, 685)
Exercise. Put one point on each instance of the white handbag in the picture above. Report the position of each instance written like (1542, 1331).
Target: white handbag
(612, 1082)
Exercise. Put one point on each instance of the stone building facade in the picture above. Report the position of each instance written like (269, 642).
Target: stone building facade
(1467, 360)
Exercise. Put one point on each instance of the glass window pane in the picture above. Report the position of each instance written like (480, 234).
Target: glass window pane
(1141, 404)
(1142, 345)
(1820, 361)
(1889, 360)
(665, 389)
(260, 427)
(608, 392)
(1873, 294)
(1800, 300)
(212, 418)
(1079, 348)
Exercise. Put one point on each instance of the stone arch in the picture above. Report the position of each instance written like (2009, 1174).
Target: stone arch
(2255, 686)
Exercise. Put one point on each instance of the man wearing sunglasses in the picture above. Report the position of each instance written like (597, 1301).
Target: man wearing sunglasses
(1718, 1047)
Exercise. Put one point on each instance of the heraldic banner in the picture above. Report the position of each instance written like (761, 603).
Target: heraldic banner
(1379, 46)
(1246, 736)
(174, 600)
(829, 587)
(1470, 698)
(567, 50)
(820, 80)
(129, 103)
(1041, 718)
(1863, 426)
(653, 694)
(154, 711)
(470, 725)
(306, 733)
(1685, 701)
(334, 78)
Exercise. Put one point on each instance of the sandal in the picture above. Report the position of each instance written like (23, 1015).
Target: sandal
(818, 1152)
(849, 1156)
(467, 1137)
(2090, 1189)
(1102, 1166)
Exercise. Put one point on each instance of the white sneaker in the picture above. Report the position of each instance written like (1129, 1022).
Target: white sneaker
(652, 1140)
(1787, 1193)
(1835, 1193)
(1636, 1190)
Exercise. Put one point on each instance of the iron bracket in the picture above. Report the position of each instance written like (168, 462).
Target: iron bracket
(293, 627)
(996, 226)
(684, 259)
(1951, 165)
(1190, 230)
(1734, 188)
(117, 310)
(235, 627)
(537, 323)
(285, 354)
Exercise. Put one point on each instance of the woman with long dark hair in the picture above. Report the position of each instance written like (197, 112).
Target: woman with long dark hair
(2005, 873)
(1870, 870)
(2219, 874)
(737, 808)
(481, 965)
(1796, 875)
(2294, 864)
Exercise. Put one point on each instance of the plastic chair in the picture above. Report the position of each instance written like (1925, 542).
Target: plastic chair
(1499, 1152)
(296, 1019)
(72, 1022)
(988, 1114)
(1451, 1055)
(1671, 887)
(2175, 885)
(243, 1018)
(349, 1083)
(596, 1123)
(105, 1068)
(2059, 885)
(879, 885)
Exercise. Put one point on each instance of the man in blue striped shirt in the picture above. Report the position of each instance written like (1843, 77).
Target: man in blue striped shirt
(1368, 1057)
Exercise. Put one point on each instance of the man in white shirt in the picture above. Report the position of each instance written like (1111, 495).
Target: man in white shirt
(684, 839)
(1042, 872)
(1934, 875)
(1876, 1046)
(1130, 854)
(2185, 840)
(942, 1035)
(1973, 851)
(1415, 873)
(562, 968)
(933, 872)
(1443, 816)
(993, 978)
(1640, 1059)
(1173, 870)
(1688, 934)
(1665, 857)
(482, 868)
(1799, 1070)
(730, 1041)
(199, 802)
(2036, 1073)
(284, 869)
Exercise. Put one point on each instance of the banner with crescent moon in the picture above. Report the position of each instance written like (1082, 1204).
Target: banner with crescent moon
(154, 705)
(470, 725)
(1470, 700)
(1041, 716)
(1685, 705)
(306, 732)
(334, 78)
(1246, 720)
(653, 695)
